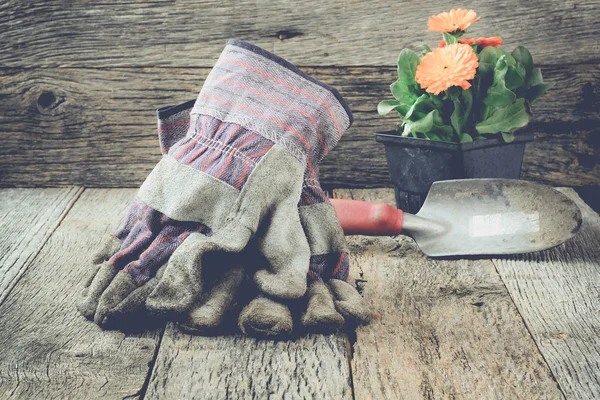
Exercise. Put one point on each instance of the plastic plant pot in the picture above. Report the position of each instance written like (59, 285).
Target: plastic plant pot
(414, 164)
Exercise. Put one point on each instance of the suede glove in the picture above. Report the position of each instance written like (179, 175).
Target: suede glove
(253, 130)
(330, 302)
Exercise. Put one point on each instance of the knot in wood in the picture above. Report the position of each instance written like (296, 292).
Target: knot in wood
(48, 101)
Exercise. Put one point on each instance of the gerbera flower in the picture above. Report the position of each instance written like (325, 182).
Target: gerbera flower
(494, 41)
(462, 41)
(453, 65)
(455, 20)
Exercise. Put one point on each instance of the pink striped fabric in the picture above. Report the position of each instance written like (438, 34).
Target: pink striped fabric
(312, 193)
(173, 124)
(148, 239)
(267, 95)
(226, 151)
(324, 267)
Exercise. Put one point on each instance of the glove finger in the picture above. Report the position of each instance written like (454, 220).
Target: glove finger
(110, 245)
(216, 303)
(181, 284)
(265, 317)
(88, 300)
(121, 286)
(321, 314)
(349, 302)
(136, 282)
(284, 245)
(130, 308)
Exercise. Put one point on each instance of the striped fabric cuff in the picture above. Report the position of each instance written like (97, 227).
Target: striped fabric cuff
(173, 124)
(225, 151)
(262, 92)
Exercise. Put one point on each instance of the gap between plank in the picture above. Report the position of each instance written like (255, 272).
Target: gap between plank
(529, 332)
(13, 283)
(151, 365)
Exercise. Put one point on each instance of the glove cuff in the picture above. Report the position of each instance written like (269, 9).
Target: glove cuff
(173, 124)
(264, 93)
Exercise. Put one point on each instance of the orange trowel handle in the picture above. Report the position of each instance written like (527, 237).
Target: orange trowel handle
(373, 219)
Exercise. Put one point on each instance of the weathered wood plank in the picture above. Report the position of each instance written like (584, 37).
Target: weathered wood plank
(96, 127)
(47, 349)
(558, 294)
(192, 33)
(27, 219)
(237, 367)
(442, 329)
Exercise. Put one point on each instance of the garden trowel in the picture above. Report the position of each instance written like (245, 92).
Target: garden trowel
(472, 217)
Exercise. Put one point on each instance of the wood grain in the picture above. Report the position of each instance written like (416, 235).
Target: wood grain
(350, 32)
(558, 294)
(47, 349)
(442, 329)
(27, 219)
(237, 367)
(96, 127)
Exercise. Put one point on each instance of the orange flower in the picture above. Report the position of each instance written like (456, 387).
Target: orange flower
(455, 20)
(442, 68)
(462, 41)
(494, 41)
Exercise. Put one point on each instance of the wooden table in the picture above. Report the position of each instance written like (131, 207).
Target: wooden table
(517, 327)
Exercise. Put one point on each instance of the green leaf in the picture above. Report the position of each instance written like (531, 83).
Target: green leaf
(537, 91)
(508, 137)
(490, 55)
(408, 61)
(406, 89)
(407, 130)
(402, 92)
(420, 104)
(506, 119)
(439, 127)
(498, 95)
(433, 136)
(450, 38)
(426, 49)
(523, 56)
(510, 60)
(435, 100)
(387, 106)
(431, 126)
(479, 137)
(515, 76)
(535, 78)
(462, 110)
(423, 105)
(422, 125)
(465, 138)
(458, 116)
(483, 79)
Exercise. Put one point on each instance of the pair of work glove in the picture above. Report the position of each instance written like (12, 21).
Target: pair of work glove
(236, 195)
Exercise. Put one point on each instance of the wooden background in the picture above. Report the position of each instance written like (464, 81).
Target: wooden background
(81, 79)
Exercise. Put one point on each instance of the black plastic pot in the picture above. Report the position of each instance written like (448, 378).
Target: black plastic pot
(414, 164)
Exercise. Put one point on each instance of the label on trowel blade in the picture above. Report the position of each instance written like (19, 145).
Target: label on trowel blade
(503, 224)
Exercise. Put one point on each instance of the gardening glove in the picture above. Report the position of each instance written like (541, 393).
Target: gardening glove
(329, 263)
(237, 170)
(330, 302)
(220, 287)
